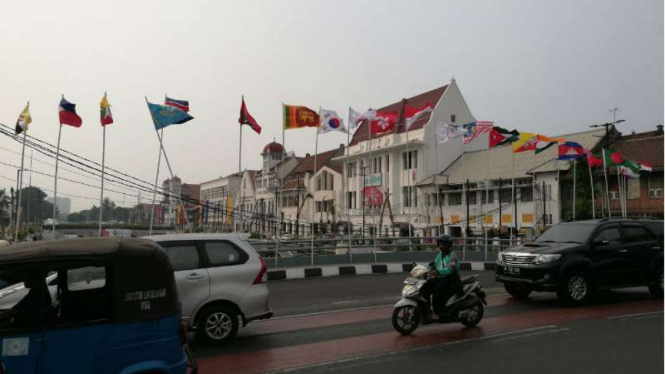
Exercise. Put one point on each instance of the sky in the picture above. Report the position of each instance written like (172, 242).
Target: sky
(552, 67)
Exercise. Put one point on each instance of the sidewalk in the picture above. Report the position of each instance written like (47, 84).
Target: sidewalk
(357, 269)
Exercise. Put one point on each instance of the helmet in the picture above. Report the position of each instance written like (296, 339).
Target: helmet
(444, 239)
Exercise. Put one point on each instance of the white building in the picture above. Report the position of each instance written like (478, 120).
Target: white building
(220, 194)
(64, 205)
(396, 167)
(498, 165)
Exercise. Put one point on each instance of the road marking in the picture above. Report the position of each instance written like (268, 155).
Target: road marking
(411, 350)
(531, 334)
(323, 312)
(633, 316)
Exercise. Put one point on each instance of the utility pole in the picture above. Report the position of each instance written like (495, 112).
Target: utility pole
(544, 206)
(468, 217)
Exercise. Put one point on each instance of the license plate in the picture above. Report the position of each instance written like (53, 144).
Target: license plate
(512, 270)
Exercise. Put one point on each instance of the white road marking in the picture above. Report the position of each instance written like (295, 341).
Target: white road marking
(633, 316)
(531, 334)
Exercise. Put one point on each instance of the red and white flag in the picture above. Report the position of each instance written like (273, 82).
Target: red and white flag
(646, 166)
(411, 113)
(382, 122)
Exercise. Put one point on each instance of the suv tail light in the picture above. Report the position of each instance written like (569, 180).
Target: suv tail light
(262, 277)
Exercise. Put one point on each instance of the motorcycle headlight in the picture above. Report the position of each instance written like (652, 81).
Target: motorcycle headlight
(410, 290)
(544, 259)
(499, 259)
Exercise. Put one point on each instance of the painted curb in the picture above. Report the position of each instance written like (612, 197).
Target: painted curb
(341, 270)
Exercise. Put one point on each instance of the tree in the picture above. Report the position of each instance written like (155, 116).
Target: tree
(5, 204)
(39, 209)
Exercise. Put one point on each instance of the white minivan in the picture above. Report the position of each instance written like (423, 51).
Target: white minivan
(221, 282)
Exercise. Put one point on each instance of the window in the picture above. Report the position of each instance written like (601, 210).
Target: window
(637, 234)
(633, 188)
(455, 198)
(376, 165)
(224, 253)
(387, 163)
(182, 256)
(655, 185)
(86, 278)
(484, 195)
(453, 118)
(615, 195)
(410, 160)
(526, 195)
(351, 200)
(473, 197)
(406, 196)
(610, 234)
(507, 195)
(351, 170)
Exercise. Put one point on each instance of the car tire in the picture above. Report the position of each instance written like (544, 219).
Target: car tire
(518, 291)
(218, 324)
(656, 289)
(575, 288)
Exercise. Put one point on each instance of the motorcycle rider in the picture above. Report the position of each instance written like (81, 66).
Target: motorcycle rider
(442, 281)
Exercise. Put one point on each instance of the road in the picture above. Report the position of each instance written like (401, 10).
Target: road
(342, 324)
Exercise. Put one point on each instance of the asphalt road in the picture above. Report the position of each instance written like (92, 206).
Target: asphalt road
(342, 324)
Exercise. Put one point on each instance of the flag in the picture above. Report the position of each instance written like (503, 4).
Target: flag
(67, 113)
(473, 129)
(330, 121)
(164, 115)
(646, 166)
(354, 118)
(526, 142)
(445, 132)
(105, 115)
(180, 104)
(593, 160)
(383, 122)
(247, 119)
(612, 158)
(299, 116)
(411, 114)
(628, 172)
(545, 142)
(24, 120)
(632, 166)
(571, 151)
(500, 136)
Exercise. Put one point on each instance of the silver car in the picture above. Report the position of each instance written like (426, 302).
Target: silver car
(221, 282)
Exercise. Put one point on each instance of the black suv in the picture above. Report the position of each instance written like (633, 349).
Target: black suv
(576, 258)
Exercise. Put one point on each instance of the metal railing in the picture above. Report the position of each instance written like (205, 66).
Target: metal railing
(381, 249)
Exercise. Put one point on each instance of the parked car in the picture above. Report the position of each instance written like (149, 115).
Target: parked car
(575, 259)
(221, 281)
(98, 320)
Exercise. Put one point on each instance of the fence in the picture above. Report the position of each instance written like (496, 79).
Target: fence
(368, 250)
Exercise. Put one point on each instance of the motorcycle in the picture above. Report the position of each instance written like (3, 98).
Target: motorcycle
(465, 307)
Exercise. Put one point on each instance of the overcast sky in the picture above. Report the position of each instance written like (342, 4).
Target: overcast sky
(552, 67)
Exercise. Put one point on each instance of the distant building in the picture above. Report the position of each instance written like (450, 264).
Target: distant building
(64, 205)
(220, 195)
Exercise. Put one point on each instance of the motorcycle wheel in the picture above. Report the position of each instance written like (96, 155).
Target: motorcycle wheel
(406, 319)
(473, 314)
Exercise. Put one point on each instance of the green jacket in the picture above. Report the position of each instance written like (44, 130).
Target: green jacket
(445, 265)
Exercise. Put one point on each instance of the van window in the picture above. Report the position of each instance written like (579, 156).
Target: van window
(637, 234)
(87, 295)
(22, 302)
(86, 278)
(224, 253)
(182, 256)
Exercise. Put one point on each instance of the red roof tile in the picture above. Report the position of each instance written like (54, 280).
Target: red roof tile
(307, 166)
(642, 147)
(432, 96)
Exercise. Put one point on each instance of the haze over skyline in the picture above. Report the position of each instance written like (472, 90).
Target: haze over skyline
(545, 67)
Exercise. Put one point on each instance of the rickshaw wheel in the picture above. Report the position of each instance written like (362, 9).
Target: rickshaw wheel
(218, 324)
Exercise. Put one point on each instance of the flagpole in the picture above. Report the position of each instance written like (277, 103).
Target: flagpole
(346, 187)
(154, 192)
(371, 163)
(464, 194)
(20, 189)
(487, 183)
(30, 191)
(436, 182)
(55, 187)
(409, 175)
(241, 176)
(316, 151)
(574, 186)
(593, 198)
(514, 199)
(101, 195)
(607, 185)
(623, 215)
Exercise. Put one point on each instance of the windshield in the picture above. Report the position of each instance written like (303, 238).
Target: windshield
(577, 233)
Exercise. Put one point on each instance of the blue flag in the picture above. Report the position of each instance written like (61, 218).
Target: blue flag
(163, 115)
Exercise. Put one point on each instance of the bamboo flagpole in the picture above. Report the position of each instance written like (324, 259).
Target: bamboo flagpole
(154, 192)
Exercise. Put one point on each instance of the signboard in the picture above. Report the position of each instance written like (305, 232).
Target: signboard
(373, 196)
(373, 180)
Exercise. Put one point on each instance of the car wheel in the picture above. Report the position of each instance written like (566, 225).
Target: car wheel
(575, 288)
(218, 324)
(657, 288)
(518, 291)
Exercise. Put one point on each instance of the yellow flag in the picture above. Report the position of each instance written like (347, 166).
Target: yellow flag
(526, 142)
(24, 120)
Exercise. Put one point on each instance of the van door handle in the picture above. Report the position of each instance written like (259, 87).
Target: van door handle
(194, 276)
(623, 251)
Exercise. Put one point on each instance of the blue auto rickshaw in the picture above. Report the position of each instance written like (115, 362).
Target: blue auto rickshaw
(91, 306)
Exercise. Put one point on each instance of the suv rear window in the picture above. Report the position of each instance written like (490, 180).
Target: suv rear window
(182, 256)
(224, 253)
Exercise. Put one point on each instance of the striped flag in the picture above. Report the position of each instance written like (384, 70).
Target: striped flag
(180, 104)
(473, 129)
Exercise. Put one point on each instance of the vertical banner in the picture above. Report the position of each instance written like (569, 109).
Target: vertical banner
(229, 209)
